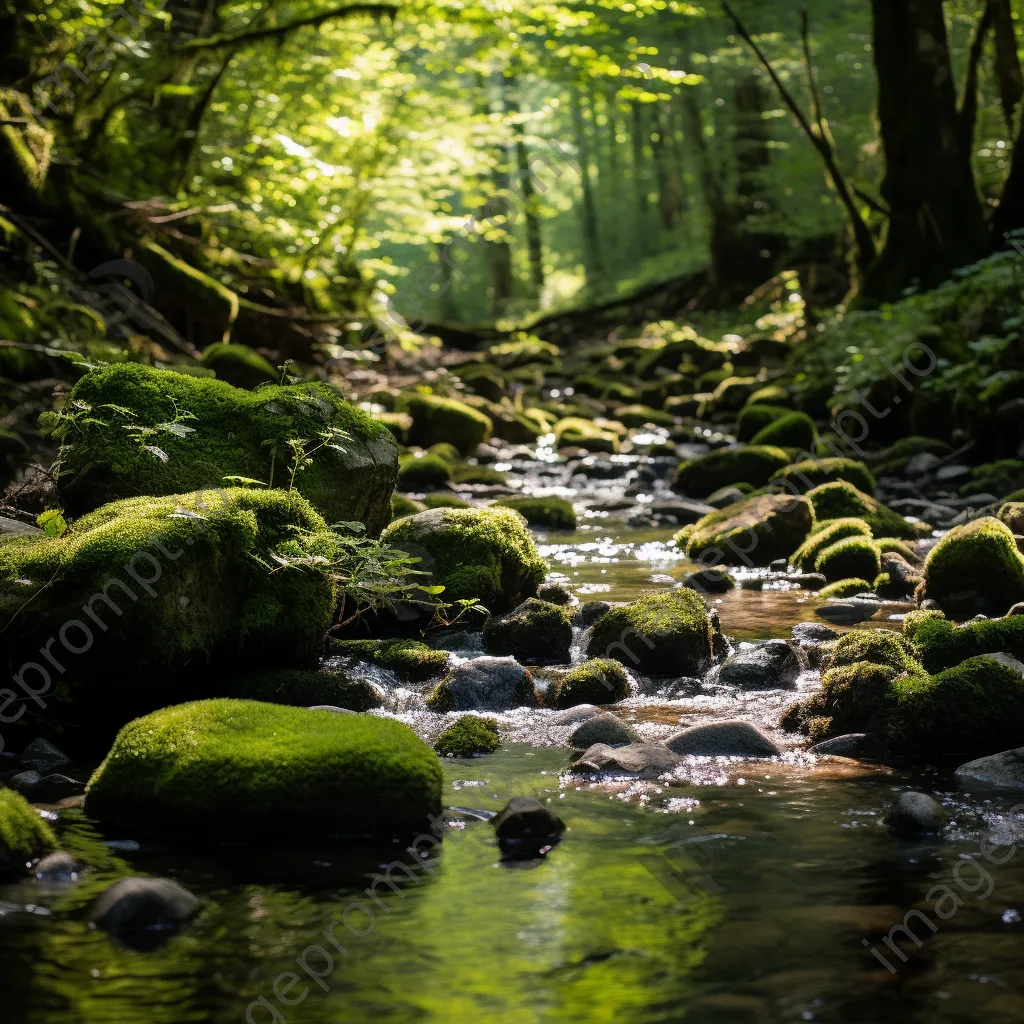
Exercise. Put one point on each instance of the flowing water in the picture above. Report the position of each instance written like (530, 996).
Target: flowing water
(730, 891)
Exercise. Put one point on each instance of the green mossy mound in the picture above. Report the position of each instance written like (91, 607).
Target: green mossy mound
(239, 365)
(975, 567)
(845, 588)
(755, 531)
(233, 433)
(754, 418)
(797, 430)
(306, 688)
(423, 472)
(804, 476)
(604, 388)
(24, 836)
(436, 420)
(523, 351)
(482, 379)
(849, 558)
(553, 513)
(172, 591)
(486, 475)
(667, 633)
(576, 432)
(487, 554)
(770, 395)
(402, 505)
(446, 451)
(537, 632)
(442, 500)
(642, 415)
(824, 535)
(598, 681)
(410, 659)
(893, 460)
(260, 773)
(752, 464)
(878, 646)
(943, 644)
(998, 478)
(896, 546)
(842, 500)
(469, 736)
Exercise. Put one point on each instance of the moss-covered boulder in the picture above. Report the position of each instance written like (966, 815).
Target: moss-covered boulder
(849, 558)
(598, 681)
(134, 430)
(537, 632)
(423, 472)
(443, 500)
(259, 773)
(469, 736)
(755, 531)
(755, 417)
(893, 460)
(487, 554)
(24, 835)
(403, 505)
(576, 432)
(409, 659)
(797, 430)
(1011, 514)
(483, 379)
(842, 500)
(666, 633)
(436, 419)
(239, 365)
(943, 644)
(999, 478)
(878, 646)
(824, 535)
(752, 464)
(150, 600)
(485, 684)
(975, 567)
(486, 475)
(448, 452)
(803, 476)
(553, 513)
(304, 688)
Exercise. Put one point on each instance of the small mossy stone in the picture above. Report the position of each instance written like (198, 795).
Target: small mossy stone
(486, 554)
(878, 646)
(576, 432)
(810, 473)
(486, 475)
(409, 659)
(402, 505)
(754, 418)
(598, 681)
(842, 500)
(24, 835)
(537, 632)
(943, 644)
(448, 452)
(556, 593)
(824, 535)
(755, 531)
(797, 430)
(423, 472)
(436, 420)
(752, 464)
(251, 771)
(443, 500)
(642, 415)
(849, 558)
(469, 736)
(553, 513)
(977, 558)
(665, 633)
(231, 433)
(308, 688)
(845, 588)
(239, 365)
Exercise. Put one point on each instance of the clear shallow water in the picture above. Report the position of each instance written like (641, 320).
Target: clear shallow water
(729, 892)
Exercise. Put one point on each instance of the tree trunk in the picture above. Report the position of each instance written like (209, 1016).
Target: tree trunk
(592, 261)
(935, 220)
(639, 167)
(1007, 62)
(670, 199)
(534, 240)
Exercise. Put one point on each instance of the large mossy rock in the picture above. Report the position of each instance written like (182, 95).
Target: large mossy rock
(752, 464)
(436, 420)
(151, 600)
(537, 632)
(944, 644)
(598, 681)
(796, 430)
(666, 633)
(975, 568)
(135, 430)
(264, 773)
(842, 500)
(849, 558)
(482, 553)
(802, 477)
(756, 531)
(24, 836)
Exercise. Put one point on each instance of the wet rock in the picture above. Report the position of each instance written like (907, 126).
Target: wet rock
(485, 684)
(725, 496)
(43, 756)
(677, 511)
(916, 814)
(45, 790)
(769, 665)
(813, 581)
(605, 728)
(1017, 609)
(922, 464)
(723, 739)
(591, 611)
(779, 565)
(854, 744)
(848, 613)
(575, 715)
(671, 689)
(1004, 770)
(752, 583)
(902, 577)
(710, 581)
(947, 474)
(58, 867)
(526, 828)
(556, 593)
(141, 911)
(648, 760)
(807, 633)
(537, 632)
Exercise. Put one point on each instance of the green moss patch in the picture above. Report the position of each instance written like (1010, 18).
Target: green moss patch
(797, 430)
(664, 633)
(878, 646)
(598, 681)
(436, 419)
(135, 430)
(851, 557)
(537, 632)
(423, 472)
(943, 644)
(258, 773)
(802, 477)
(576, 432)
(553, 513)
(842, 500)
(845, 588)
(402, 505)
(239, 365)
(410, 659)
(442, 500)
(824, 535)
(469, 736)
(755, 417)
(307, 688)
(752, 464)
(24, 836)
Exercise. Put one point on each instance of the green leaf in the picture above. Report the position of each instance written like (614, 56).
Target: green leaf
(52, 522)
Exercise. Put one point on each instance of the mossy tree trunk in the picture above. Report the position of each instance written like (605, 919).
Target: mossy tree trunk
(936, 222)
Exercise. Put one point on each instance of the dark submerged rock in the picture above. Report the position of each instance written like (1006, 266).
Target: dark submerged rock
(142, 912)
(916, 814)
(526, 829)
